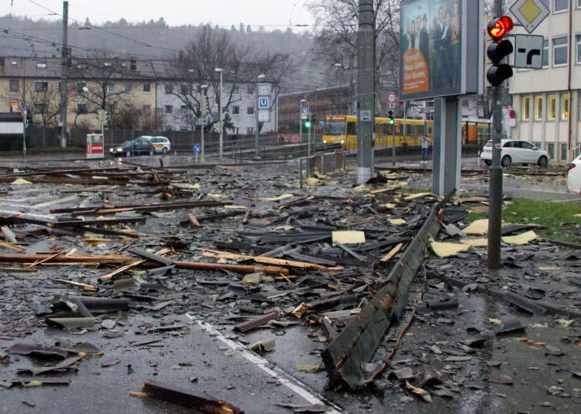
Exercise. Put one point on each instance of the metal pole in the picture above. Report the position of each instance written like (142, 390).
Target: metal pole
(64, 74)
(257, 132)
(393, 158)
(24, 124)
(203, 143)
(365, 90)
(221, 117)
(496, 190)
(309, 136)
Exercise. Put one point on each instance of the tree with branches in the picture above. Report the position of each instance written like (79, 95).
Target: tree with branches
(98, 86)
(196, 78)
(336, 36)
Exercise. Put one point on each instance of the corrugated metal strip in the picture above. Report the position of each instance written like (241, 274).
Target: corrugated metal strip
(360, 339)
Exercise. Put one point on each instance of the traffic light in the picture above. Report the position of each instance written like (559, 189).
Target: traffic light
(499, 50)
(307, 124)
(391, 118)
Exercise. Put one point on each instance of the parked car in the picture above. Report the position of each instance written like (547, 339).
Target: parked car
(516, 152)
(161, 145)
(134, 147)
(574, 176)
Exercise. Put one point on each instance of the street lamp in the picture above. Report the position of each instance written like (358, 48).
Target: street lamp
(259, 78)
(221, 72)
(204, 119)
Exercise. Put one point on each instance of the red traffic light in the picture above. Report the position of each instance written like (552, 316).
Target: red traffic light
(499, 28)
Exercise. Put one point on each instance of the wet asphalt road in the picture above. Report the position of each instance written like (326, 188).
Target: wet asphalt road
(194, 360)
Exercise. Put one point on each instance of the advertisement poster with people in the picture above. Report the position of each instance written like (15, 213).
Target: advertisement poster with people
(431, 47)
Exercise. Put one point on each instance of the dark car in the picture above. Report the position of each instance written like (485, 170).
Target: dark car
(134, 147)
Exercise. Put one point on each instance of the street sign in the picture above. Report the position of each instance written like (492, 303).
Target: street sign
(263, 115)
(264, 102)
(365, 116)
(530, 13)
(528, 51)
(95, 146)
(197, 148)
(305, 110)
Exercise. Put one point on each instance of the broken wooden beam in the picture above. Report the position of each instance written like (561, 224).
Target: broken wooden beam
(95, 211)
(232, 268)
(62, 259)
(253, 324)
(269, 261)
(186, 399)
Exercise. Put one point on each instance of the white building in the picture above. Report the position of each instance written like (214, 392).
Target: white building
(240, 102)
(548, 101)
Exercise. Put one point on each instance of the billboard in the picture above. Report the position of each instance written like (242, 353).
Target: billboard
(439, 39)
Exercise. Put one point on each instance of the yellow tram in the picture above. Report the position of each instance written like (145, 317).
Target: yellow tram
(342, 129)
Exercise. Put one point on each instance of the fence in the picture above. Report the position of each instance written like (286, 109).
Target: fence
(48, 139)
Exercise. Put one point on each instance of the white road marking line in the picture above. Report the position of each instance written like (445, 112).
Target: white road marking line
(291, 383)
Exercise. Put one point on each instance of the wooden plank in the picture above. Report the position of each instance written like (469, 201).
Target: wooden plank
(392, 253)
(269, 261)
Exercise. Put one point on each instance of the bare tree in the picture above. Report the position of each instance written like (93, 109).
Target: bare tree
(44, 99)
(100, 84)
(196, 65)
(336, 40)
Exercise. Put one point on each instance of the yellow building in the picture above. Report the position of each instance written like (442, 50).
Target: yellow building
(125, 88)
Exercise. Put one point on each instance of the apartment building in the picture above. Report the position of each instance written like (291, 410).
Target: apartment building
(548, 101)
(143, 94)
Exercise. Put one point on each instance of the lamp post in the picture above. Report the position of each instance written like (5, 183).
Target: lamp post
(204, 114)
(221, 72)
(259, 78)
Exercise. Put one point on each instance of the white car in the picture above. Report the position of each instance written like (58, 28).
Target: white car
(574, 176)
(161, 145)
(516, 152)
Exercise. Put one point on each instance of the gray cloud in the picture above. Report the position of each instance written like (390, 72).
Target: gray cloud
(272, 14)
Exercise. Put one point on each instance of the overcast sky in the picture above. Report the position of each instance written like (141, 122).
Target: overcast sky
(272, 14)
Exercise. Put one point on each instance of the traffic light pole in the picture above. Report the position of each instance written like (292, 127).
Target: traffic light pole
(496, 180)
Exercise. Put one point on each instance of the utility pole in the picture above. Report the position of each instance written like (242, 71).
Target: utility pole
(366, 91)
(64, 74)
(496, 180)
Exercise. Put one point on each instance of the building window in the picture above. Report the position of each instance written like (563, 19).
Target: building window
(578, 43)
(40, 86)
(539, 108)
(551, 151)
(14, 85)
(186, 89)
(564, 152)
(146, 109)
(546, 52)
(146, 87)
(250, 89)
(236, 110)
(526, 109)
(168, 88)
(560, 51)
(128, 86)
(560, 5)
(552, 112)
(565, 107)
(82, 108)
(110, 87)
(250, 110)
(169, 109)
(40, 108)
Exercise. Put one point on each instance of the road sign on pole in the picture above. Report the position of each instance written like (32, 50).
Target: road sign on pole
(528, 51)
(530, 13)
(264, 102)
